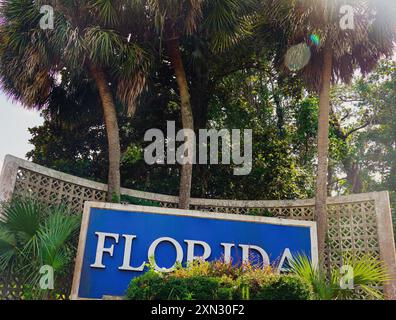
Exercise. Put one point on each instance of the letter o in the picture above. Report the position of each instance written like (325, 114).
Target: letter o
(179, 253)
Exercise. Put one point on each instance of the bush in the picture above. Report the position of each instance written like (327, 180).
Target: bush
(204, 281)
(368, 274)
(285, 287)
(154, 286)
(33, 234)
(145, 287)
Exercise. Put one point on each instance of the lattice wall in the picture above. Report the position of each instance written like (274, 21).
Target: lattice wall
(51, 190)
(353, 221)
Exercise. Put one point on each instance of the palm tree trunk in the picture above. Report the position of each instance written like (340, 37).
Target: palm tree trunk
(113, 137)
(187, 118)
(323, 149)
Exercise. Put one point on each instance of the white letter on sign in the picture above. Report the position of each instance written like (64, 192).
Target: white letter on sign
(227, 251)
(126, 266)
(286, 257)
(245, 253)
(100, 249)
(179, 253)
(190, 250)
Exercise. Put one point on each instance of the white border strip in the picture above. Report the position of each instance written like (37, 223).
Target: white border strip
(177, 212)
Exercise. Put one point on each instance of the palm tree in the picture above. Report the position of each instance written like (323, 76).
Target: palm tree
(174, 19)
(368, 274)
(225, 23)
(33, 235)
(336, 57)
(84, 40)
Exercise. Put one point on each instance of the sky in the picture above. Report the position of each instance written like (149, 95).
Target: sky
(14, 123)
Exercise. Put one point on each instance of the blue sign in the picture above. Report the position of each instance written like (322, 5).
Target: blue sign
(117, 242)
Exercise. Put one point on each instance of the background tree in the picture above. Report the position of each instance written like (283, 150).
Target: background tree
(238, 79)
(82, 43)
(173, 20)
(337, 55)
(233, 82)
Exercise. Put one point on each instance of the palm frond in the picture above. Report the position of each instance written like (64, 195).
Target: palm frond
(302, 266)
(55, 232)
(368, 275)
(363, 46)
(106, 10)
(33, 235)
(102, 44)
(228, 22)
(23, 217)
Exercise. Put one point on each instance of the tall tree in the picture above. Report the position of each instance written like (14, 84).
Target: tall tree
(238, 79)
(83, 40)
(174, 19)
(226, 23)
(338, 47)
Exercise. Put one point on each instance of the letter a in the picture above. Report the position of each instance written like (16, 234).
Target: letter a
(47, 20)
(347, 21)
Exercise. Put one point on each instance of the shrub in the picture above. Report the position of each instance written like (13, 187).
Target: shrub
(203, 288)
(197, 288)
(252, 280)
(205, 281)
(368, 273)
(285, 287)
(154, 286)
(218, 268)
(32, 235)
(146, 287)
(226, 293)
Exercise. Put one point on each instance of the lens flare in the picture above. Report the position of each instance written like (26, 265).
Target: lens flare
(315, 39)
(297, 57)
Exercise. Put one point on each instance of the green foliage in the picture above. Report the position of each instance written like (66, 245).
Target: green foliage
(220, 280)
(33, 235)
(115, 198)
(132, 155)
(286, 287)
(154, 286)
(145, 287)
(103, 44)
(197, 288)
(139, 202)
(259, 284)
(232, 66)
(306, 129)
(368, 273)
(106, 11)
(230, 89)
(217, 268)
(323, 289)
(73, 41)
(216, 281)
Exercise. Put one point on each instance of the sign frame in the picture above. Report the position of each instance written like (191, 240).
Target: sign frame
(178, 212)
